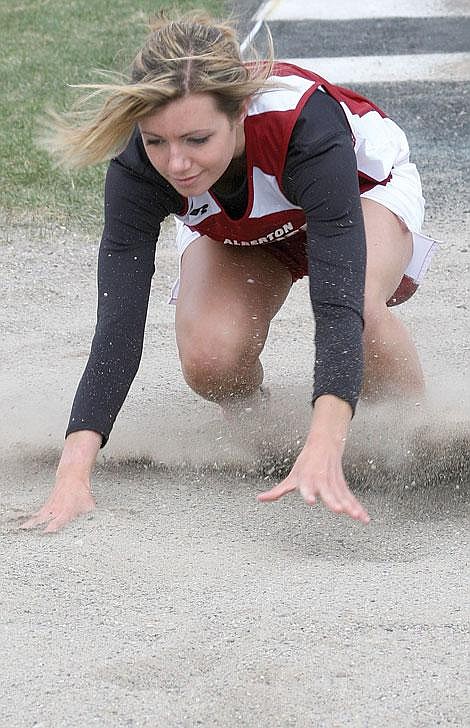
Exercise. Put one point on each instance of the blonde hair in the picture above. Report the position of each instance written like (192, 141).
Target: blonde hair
(191, 54)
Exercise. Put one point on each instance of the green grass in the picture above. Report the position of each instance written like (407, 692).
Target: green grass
(46, 45)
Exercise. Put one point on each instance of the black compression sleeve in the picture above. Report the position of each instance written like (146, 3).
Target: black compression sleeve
(135, 204)
(321, 177)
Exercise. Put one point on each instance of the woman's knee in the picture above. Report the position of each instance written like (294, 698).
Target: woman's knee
(375, 313)
(217, 358)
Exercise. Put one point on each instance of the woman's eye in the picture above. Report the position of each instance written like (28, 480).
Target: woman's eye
(191, 140)
(198, 140)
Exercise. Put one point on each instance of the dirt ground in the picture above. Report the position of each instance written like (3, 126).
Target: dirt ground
(183, 602)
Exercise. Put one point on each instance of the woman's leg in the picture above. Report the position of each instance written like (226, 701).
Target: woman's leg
(227, 298)
(392, 365)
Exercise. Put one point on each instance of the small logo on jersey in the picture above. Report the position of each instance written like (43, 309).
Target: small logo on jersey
(195, 211)
(282, 232)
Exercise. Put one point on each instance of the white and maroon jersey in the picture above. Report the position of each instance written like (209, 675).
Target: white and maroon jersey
(269, 216)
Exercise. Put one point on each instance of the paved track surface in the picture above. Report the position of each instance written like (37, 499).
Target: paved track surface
(183, 603)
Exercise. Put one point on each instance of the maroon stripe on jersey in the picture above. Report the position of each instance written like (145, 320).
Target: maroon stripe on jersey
(366, 183)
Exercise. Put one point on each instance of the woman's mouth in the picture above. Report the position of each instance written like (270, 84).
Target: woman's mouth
(186, 181)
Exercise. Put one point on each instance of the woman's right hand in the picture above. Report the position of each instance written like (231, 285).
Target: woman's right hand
(71, 496)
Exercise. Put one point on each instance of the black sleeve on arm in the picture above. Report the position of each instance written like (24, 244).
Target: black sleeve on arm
(321, 177)
(135, 204)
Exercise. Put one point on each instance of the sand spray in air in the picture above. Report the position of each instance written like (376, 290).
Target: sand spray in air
(412, 443)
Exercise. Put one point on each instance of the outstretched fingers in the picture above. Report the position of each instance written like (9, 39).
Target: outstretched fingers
(339, 499)
(277, 492)
(37, 519)
(335, 495)
(56, 523)
(63, 506)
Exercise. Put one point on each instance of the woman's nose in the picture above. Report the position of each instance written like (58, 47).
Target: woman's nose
(177, 161)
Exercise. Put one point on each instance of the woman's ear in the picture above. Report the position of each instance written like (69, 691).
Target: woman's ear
(244, 112)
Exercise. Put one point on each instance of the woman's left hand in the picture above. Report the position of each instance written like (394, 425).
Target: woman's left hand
(318, 470)
(318, 474)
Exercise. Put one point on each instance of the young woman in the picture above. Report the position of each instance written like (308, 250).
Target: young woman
(273, 174)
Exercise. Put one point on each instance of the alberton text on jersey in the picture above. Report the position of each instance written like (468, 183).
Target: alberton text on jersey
(282, 232)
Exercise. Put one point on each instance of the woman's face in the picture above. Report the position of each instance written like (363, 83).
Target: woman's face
(191, 143)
